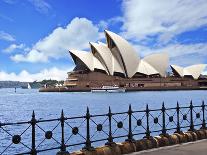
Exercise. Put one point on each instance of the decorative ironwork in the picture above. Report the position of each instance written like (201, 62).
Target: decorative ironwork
(134, 123)
(171, 119)
(185, 117)
(75, 130)
(99, 127)
(198, 115)
(48, 134)
(120, 125)
(156, 120)
(139, 122)
(16, 139)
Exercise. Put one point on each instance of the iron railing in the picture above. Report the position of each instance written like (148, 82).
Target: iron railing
(133, 124)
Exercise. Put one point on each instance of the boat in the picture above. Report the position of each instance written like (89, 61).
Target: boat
(32, 85)
(109, 89)
(28, 86)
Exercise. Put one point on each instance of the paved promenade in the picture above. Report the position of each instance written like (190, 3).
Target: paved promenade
(194, 148)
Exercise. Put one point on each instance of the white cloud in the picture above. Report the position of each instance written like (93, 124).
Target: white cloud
(41, 6)
(25, 76)
(204, 73)
(104, 24)
(6, 36)
(75, 35)
(13, 47)
(164, 18)
(32, 56)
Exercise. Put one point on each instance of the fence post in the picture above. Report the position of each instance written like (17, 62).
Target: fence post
(178, 117)
(110, 138)
(130, 134)
(147, 129)
(88, 137)
(203, 111)
(62, 147)
(33, 123)
(163, 119)
(191, 116)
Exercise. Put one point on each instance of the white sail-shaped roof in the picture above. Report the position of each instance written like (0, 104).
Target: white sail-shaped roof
(159, 61)
(105, 56)
(125, 53)
(194, 70)
(88, 59)
(85, 57)
(117, 66)
(179, 70)
(146, 68)
(98, 65)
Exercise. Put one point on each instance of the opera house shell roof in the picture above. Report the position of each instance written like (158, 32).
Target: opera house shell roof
(118, 56)
(194, 70)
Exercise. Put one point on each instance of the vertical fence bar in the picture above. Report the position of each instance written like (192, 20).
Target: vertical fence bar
(163, 119)
(178, 118)
(130, 134)
(147, 129)
(33, 123)
(62, 147)
(204, 120)
(88, 137)
(62, 120)
(110, 138)
(191, 116)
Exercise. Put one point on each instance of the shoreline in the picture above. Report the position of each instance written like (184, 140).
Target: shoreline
(66, 89)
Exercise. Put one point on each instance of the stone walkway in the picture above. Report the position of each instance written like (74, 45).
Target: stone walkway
(193, 148)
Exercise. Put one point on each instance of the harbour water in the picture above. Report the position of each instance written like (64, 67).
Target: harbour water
(19, 106)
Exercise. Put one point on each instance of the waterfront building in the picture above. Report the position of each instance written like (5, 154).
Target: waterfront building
(116, 63)
(118, 57)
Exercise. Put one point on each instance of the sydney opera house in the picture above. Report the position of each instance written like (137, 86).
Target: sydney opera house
(118, 63)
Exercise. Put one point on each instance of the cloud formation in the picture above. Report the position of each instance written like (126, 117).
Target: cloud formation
(24, 76)
(75, 35)
(41, 6)
(6, 36)
(165, 19)
(13, 47)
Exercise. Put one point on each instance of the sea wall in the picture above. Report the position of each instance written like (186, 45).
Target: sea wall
(145, 143)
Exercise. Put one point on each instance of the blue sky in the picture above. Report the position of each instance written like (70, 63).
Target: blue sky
(35, 35)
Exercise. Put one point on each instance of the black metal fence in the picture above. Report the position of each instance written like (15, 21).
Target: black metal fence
(102, 129)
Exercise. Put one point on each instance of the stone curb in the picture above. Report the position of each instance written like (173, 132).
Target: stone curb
(147, 143)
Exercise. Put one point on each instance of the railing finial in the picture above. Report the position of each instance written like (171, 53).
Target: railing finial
(163, 104)
(109, 109)
(33, 114)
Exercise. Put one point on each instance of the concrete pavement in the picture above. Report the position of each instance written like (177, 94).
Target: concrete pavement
(192, 148)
